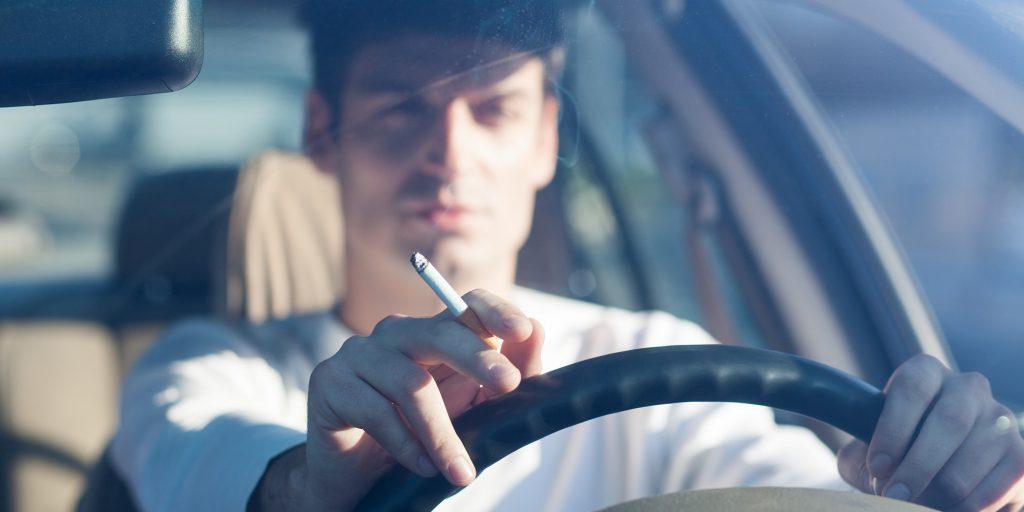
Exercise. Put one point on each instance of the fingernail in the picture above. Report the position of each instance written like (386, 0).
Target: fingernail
(898, 492)
(426, 467)
(879, 464)
(460, 472)
(500, 372)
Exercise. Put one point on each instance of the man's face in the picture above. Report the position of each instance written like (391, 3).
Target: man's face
(442, 146)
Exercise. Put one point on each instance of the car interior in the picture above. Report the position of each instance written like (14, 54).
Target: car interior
(775, 244)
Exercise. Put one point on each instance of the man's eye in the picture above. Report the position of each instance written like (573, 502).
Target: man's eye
(495, 111)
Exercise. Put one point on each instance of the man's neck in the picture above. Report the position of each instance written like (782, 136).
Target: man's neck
(376, 289)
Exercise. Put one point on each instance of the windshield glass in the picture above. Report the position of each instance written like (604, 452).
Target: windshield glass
(815, 177)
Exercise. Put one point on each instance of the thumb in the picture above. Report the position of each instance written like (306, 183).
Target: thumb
(853, 466)
(525, 355)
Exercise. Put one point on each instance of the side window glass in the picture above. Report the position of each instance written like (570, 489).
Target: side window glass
(947, 173)
(610, 172)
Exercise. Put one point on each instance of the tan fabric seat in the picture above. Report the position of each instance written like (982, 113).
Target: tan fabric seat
(65, 344)
(280, 255)
(284, 244)
(58, 405)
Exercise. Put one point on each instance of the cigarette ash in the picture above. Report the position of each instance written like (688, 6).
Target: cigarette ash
(419, 262)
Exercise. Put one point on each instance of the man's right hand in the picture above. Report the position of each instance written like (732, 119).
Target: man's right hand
(391, 396)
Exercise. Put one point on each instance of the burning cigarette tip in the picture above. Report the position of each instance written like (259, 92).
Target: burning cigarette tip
(419, 262)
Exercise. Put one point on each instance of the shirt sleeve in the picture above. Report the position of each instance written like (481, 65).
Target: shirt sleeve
(201, 416)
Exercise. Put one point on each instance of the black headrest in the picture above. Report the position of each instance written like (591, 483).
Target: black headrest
(172, 227)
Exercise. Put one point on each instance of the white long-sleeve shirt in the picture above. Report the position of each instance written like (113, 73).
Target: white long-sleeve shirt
(208, 406)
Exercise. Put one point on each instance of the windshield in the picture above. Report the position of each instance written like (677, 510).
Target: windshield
(809, 176)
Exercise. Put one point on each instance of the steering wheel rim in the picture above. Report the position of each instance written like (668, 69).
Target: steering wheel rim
(617, 382)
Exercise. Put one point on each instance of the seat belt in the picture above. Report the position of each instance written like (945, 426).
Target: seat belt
(689, 185)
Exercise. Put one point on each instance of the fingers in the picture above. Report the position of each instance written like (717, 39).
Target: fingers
(502, 318)
(354, 403)
(411, 388)
(972, 462)
(1001, 489)
(441, 340)
(388, 392)
(527, 355)
(947, 426)
(943, 441)
(910, 392)
(853, 466)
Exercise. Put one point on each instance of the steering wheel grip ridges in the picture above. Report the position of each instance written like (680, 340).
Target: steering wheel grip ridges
(547, 403)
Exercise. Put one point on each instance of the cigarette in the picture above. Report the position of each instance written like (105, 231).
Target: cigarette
(452, 300)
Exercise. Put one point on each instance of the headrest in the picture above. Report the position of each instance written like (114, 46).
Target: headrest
(284, 249)
(172, 228)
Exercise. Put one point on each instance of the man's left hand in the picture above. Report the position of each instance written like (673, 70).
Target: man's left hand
(941, 441)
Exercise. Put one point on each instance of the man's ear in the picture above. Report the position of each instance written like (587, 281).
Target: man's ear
(319, 139)
(548, 143)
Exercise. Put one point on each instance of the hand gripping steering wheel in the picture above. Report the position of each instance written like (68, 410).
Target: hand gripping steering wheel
(638, 378)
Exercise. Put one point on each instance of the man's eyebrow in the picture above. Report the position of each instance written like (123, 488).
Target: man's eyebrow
(390, 84)
(387, 85)
(509, 94)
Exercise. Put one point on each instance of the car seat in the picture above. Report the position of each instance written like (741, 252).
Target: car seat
(64, 344)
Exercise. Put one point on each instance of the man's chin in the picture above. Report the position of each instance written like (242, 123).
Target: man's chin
(450, 253)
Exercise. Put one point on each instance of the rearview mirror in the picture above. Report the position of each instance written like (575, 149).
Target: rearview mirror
(56, 51)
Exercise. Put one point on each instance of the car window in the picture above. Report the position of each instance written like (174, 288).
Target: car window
(946, 171)
(628, 218)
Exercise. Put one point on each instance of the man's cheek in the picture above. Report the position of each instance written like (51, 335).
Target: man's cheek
(516, 212)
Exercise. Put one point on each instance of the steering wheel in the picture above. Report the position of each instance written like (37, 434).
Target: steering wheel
(547, 403)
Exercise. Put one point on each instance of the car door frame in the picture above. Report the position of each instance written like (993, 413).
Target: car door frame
(828, 267)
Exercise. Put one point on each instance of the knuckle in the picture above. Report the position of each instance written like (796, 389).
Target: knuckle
(921, 365)
(975, 382)
(926, 362)
(353, 345)
(373, 420)
(448, 445)
(911, 468)
(953, 418)
(324, 376)
(388, 324)
(411, 380)
(514, 321)
(1002, 410)
(510, 318)
(952, 487)
(316, 379)
(920, 386)
(407, 450)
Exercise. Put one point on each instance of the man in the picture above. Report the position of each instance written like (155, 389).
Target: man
(439, 122)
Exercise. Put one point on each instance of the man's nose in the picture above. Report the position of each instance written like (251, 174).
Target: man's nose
(453, 141)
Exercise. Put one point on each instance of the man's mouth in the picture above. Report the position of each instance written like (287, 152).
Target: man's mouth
(441, 216)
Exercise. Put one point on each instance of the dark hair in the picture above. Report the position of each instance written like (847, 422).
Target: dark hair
(340, 27)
